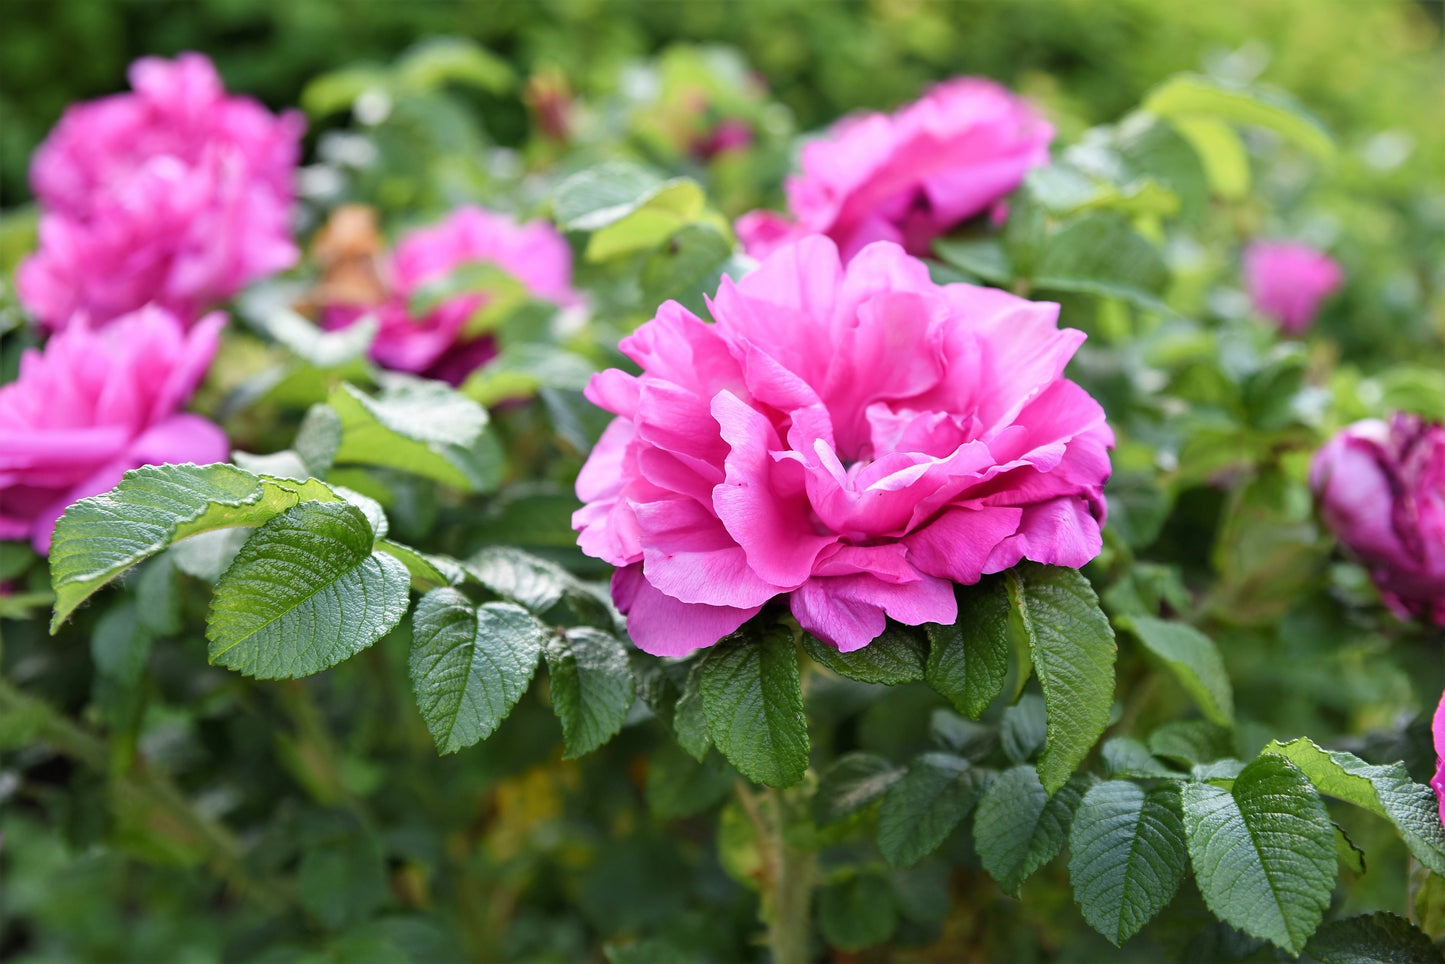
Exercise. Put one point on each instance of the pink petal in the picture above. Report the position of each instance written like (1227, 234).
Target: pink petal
(663, 626)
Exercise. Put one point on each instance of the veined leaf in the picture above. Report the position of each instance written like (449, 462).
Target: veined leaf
(1193, 659)
(921, 809)
(305, 592)
(592, 687)
(1379, 938)
(852, 782)
(752, 699)
(897, 656)
(470, 664)
(1263, 851)
(968, 661)
(1019, 827)
(154, 506)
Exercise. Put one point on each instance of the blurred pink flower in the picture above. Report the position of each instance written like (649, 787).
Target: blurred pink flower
(175, 194)
(909, 176)
(728, 134)
(436, 345)
(1287, 281)
(96, 403)
(858, 439)
(1438, 729)
(1381, 489)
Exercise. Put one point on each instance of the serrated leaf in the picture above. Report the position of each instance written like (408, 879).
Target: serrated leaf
(1386, 791)
(1072, 647)
(421, 427)
(921, 809)
(533, 583)
(1263, 851)
(305, 592)
(154, 506)
(592, 687)
(852, 782)
(968, 661)
(689, 721)
(1193, 659)
(1019, 827)
(752, 699)
(679, 786)
(470, 664)
(1127, 855)
(897, 656)
(1378, 938)
(857, 913)
(1351, 856)
(1186, 95)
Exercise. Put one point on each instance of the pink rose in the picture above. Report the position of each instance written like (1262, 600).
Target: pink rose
(175, 194)
(910, 176)
(1438, 729)
(1381, 489)
(1287, 281)
(96, 403)
(857, 439)
(729, 134)
(436, 345)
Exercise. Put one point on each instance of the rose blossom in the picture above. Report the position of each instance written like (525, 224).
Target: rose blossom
(1287, 281)
(910, 176)
(436, 344)
(96, 403)
(175, 194)
(1438, 730)
(1381, 489)
(857, 439)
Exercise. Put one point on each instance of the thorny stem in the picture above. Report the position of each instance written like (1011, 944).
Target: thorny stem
(786, 878)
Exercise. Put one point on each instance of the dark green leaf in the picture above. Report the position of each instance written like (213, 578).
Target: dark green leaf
(921, 809)
(1125, 757)
(1193, 659)
(592, 687)
(897, 656)
(1019, 827)
(1190, 741)
(852, 782)
(1024, 729)
(689, 721)
(857, 913)
(752, 699)
(533, 583)
(1378, 938)
(679, 786)
(968, 661)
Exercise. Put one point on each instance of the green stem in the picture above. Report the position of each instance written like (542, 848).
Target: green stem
(787, 877)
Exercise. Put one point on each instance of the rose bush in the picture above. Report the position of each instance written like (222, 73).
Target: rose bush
(95, 403)
(176, 194)
(856, 437)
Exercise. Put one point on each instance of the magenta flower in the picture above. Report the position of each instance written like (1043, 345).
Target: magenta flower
(1438, 730)
(1381, 489)
(437, 345)
(857, 439)
(910, 176)
(96, 403)
(1287, 281)
(175, 194)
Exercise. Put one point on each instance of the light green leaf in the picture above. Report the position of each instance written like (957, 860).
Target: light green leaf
(445, 60)
(1386, 791)
(857, 913)
(592, 687)
(1127, 855)
(602, 195)
(420, 427)
(470, 664)
(896, 656)
(921, 809)
(1019, 827)
(1072, 646)
(1225, 160)
(1193, 659)
(153, 506)
(658, 216)
(1379, 938)
(305, 592)
(1186, 95)
(852, 782)
(968, 661)
(1263, 851)
(427, 571)
(752, 699)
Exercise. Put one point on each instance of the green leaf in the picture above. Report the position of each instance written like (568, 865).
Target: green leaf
(1189, 742)
(851, 783)
(1101, 254)
(1220, 150)
(153, 506)
(921, 809)
(532, 583)
(752, 699)
(658, 215)
(968, 661)
(1386, 791)
(679, 786)
(420, 427)
(313, 345)
(1378, 938)
(857, 913)
(1125, 757)
(1263, 851)
(897, 656)
(689, 266)
(592, 687)
(121, 645)
(1072, 646)
(427, 571)
(602, 195)
(689, 721)
(1127, 855)
(1187, 95)
(432, 63)
(983, 258)
(1019, 827)
(1193, 659)
(470, 664)
(305, 592)
(1023, 730)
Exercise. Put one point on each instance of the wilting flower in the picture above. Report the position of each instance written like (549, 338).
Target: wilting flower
(857, 439)
(175, 194)
(1287, 281)
(1381, 489)
(910, 176)
(93, 405)
(1438, 729)
(436, 343)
